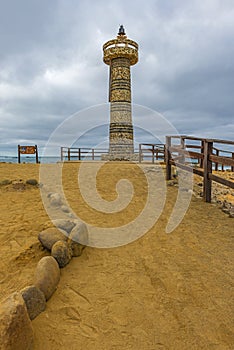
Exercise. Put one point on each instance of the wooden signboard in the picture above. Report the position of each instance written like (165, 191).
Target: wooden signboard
(27, 150)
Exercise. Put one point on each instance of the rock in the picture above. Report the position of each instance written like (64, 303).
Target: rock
(35, 301)
(79, 235)
(50, 236)
(16, 331)
(171, 182)
(231, 212)
(66, 225)
(32, 182)
(65, 209)
(76, 248)
(225, 204)
(80, 232)
(55, 199)
(47, 275)
(62, 253)
(5, 182)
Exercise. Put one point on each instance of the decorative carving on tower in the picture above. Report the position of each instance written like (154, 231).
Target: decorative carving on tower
(120, 54)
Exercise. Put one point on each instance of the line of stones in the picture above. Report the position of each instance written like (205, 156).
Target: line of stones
(18, 309)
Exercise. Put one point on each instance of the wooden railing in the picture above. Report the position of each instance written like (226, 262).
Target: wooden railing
(71, 153)
(151, 152)
(147, 152)
(182, 154)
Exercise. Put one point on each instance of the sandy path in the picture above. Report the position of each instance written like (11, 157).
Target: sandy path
(163, 291)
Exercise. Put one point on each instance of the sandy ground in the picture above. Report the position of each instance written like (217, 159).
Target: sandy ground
(163, 291)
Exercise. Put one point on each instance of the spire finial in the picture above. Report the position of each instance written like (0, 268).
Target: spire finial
(121, 30)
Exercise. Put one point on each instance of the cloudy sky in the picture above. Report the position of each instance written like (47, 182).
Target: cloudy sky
(51, 64)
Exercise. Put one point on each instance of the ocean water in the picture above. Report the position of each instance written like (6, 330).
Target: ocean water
(28, 159)
(45, 160)
(53, 159)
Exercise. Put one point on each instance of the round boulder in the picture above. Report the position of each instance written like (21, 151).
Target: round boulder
(32, 182)
(62, 253)
(80, 234)
(65, 209)
(76, 248)
(16, 330)
(50, 236)
(5, 182)
(66, 225)
(55, 199)
(78, 239)
(34, 299)
(47, 275)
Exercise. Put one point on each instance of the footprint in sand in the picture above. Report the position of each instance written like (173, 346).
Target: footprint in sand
(72, 313)
(88, 331)
(80, 300)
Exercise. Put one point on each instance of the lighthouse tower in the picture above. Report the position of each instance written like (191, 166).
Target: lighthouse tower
(120, 54)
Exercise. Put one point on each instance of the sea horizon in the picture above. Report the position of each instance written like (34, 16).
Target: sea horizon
(29, 159)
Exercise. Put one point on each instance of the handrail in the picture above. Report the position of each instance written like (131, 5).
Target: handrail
(177, 154)
(73, 153)
(157, 151)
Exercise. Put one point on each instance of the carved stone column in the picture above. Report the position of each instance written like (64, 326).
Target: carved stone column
(120, 54)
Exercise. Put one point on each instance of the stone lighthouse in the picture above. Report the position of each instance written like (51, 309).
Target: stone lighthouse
(120, 54)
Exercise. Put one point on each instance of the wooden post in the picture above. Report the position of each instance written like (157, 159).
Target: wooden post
(61, 154)
(92, 154)
(152, 153)
(217, 164)
(182, 145)
(36, 149)
(68, 154)
(139, 152)
(168, 158)
(207, 182)
(232, 168)
(79, 154)
(202, 152)
(19, 154)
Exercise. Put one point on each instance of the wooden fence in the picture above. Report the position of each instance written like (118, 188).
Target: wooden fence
(147, 152)
(203, 151)
(151, 152)
(70, 154)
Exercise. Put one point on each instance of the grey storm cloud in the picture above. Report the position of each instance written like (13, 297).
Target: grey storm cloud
(51, 63)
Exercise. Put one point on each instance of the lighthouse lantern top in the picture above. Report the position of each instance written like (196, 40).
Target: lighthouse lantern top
(120, 47)
(121, 30)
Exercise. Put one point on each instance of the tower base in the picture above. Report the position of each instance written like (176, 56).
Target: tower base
(134, 157)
